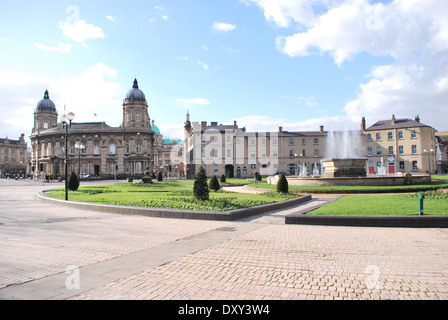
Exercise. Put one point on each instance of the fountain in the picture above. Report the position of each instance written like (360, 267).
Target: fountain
(344, 166)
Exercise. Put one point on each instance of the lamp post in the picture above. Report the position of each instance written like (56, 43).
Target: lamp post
(66, 120)
(79, 146)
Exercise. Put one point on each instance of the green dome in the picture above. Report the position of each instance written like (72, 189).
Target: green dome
(155, 129)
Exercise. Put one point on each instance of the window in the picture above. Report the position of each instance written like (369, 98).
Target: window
(401, 163)
(378, 151)
(127, 148)
(291, 153)
(203, 139)
(244, 170)
(303, 142)
(414, 149)
(253, 166)
(228, 153)
(215, 168)
(72, 150)
(369, 137)
(391, 150)
(252, 142)
(96, 149)
(275, 153)
(413, 134)
(400, 134)
(228, 139)
(390, 136)
(127, 117)
(291, 142)
(316, 141)
(137, 117)
(316, 152)
(215, 153)
(414, 166)
(263, 142)
(112, 149)
(400, 150)
(128, 168)
(252, 154)
(274, 142)
(378, 136)
(203, 153)
(45, 125)
(84, 150)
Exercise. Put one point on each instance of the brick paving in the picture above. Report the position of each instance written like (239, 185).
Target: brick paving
(134, 257)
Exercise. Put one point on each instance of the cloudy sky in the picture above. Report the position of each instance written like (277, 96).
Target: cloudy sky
(265, 63)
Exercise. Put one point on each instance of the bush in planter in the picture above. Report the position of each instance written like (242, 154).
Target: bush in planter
(147, 177)
(73, 182)
(214, 184)
(223, 178)
(282, 184)
(200, 188)
(160, 176)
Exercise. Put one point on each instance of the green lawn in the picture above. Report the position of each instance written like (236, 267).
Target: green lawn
(167, 194)
(435, 203)
(437, 182)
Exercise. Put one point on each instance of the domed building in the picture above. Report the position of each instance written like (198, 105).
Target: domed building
(96, 149)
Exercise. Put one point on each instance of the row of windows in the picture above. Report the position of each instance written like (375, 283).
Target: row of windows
(252, 141)
(379, 150)
(390, 136)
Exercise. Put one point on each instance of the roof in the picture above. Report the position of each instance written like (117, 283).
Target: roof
(398, 124)
(169, 141)
(442, 136)
(155, 129)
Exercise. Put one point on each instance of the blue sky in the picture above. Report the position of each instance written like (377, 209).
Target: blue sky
(265, 63)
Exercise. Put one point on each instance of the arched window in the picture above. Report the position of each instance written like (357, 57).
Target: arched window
(112, 149)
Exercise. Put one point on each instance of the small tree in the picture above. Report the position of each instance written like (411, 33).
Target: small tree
(73, 182)
(223, 178)
(282, 184)
(214, 184)
(160, 176)
(200, 188)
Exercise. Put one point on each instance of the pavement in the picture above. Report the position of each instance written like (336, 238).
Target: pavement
(54, 252)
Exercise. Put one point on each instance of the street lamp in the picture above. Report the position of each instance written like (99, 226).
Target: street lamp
(66, 120)
(79, 146)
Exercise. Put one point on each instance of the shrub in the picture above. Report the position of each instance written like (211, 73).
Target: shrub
(73, 182)
(214, 184)
(160, 176)
(200, 188)
(282, 184)
(223, 178)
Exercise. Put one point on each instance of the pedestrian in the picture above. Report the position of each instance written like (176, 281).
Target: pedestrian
(256, 177)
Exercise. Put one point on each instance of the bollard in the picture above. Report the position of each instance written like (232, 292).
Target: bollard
(420, 204)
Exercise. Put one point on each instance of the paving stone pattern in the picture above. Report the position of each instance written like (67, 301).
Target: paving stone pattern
(135, 257)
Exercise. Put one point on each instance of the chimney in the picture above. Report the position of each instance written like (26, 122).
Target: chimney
(280, 129)
(203, 124)
(214, 124)
(363, 124)
(321, 128)
(235, 125)
(417, 118)
(393, 118)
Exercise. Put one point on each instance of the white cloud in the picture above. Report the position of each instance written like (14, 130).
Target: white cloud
(414, 33)
(223, 27)
(190, 103)
(92, 91)
(79, 31)
(61, 47)
(182, 58)
(203, 65)
(110, 18)
(164, 18)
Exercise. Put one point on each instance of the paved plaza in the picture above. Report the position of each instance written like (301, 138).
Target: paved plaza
(54, 252)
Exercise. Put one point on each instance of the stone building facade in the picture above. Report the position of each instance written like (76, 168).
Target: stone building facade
(95, 148)
(13, 157)
(390, 146)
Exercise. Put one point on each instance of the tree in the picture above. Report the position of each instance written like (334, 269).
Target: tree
(200, 188)
(73, 182)
(160, 176)
(214, 184)
(223, 178)
(282, 184)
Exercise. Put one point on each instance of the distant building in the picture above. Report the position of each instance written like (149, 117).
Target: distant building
(97, 149)
(395, 146)
(13, 157)
(442, 151)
